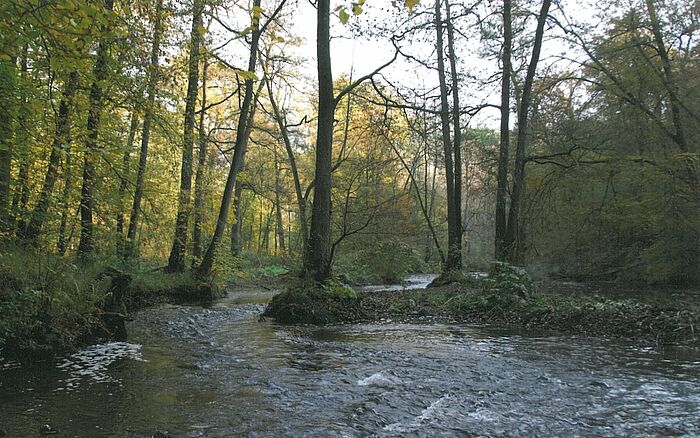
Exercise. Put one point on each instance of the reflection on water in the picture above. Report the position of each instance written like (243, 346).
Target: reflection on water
(217, 371)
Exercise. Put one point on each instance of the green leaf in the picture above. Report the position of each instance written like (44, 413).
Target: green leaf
(344, 16)
(356, 9)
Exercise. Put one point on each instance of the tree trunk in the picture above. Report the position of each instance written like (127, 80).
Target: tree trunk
(513, 244)
(8, 104)
(502, 184)
(62, 243)
(317, 262)
(237, 228)
(301, 201)
(21, 194)
(124, 180)
(453, 226)
(176, 262)
(278, 207)
(87, 193)
(146, 133)
(61, 141)
(456, 232)
(242, 133)
(199, 177)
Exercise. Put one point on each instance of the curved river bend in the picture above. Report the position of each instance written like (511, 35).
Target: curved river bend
(192, 371)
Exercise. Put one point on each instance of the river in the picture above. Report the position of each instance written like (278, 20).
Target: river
(191, 371)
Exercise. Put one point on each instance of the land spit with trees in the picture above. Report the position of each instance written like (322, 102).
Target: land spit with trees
(158, 150)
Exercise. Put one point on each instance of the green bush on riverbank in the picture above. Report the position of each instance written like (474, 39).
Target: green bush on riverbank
(51, 304)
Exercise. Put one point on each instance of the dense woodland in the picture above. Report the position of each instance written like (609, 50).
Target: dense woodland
(194, 134)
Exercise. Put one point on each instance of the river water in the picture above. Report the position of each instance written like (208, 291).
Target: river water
(219, 371)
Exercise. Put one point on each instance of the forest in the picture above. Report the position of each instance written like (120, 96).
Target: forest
(529, 164)
(197, 138)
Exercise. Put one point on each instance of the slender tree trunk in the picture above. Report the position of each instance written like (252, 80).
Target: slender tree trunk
(61, 141)
(513, 242)
(278, 207)
(87, 194)
(146, 133)
(242, 134)
(502, 184)
(124, 180)
(8, 105)
(176, 262)
(21, 194)
(456, 233)
(199, 177)
(317, 262)
(237, 228)
(301, 201)
(62, 243)
(266, 233)
(453, 231)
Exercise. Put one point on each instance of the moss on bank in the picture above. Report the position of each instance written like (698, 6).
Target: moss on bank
(331, 303)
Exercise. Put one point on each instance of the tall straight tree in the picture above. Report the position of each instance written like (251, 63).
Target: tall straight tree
(124, 181)
(504, 144)
(152, 74)
(61, 140)
(513, 244)
(87, 193)
(199, 176)
(317, 259)
(22, 136)
(454, 227)
(176, 262)
(454, 259)
(8, 73)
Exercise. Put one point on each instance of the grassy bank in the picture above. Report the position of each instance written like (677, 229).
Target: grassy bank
(51, 304)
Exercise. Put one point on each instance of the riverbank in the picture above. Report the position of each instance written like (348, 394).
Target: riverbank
(508, 299)
(51, 305)
(590, 316)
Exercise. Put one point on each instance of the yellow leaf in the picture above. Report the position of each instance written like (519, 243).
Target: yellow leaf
(410, 4)
(344, 16)
(247, 75)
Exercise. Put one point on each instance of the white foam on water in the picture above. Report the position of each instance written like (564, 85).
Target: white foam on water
(376, 379)
(93, 362)
(430, 413)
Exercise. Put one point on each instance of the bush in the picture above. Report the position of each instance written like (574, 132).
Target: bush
(385, 262)
(47, 302)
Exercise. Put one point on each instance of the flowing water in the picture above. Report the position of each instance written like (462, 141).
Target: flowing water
(192, 371)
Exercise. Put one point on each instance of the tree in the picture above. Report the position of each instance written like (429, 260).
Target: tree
(100, 72)
(61, 140)
(504, 144)
(242, 134)
(152, 81)
(176, 261)
(512, 238)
